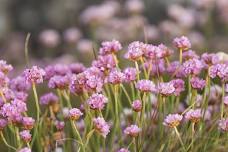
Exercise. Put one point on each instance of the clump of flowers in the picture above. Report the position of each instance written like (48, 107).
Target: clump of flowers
(97, 108)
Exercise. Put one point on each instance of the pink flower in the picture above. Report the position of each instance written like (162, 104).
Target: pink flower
(172, 120)
(4, 80)
(19, 84)
(210, 59)
(135, 51)
(193, 115)
(132, 131)
(192, 67)
(26, 149)
(59, 125)
(146, 86)
(130, 74)
(182, 43)
(105, 62)
(74, 114)
(220, 70)
(136, 105)
(166, 89)
(115, 76)
(28, 122)
(25, 135)
(223, 124)
(72, 35)
(123, 150)
(59, 82)
(97, 101)
(101, 126)
(3, 123)
(178, 85)
(197, 83)
(4, 67)
(109, 47)
(190, 54)
(225, 100)
(34, 75)
(48, 99)
(49, 38)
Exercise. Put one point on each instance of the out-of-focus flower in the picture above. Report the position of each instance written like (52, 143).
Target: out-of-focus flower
(197, 83)
(109, 47)
(136, 105)
(176, 69)
(76, 68)
(49, 38)
(25, 135)
(105, 62)
(178, 85)
(72, 35)
(97, 101)
(146, 86)
(210, 59)
(134, 6)
(59, 82)
(19, 84)
(193, 115)
(190, 54)
(220, 70)
(59, 125)
(130, 74)
(3, 124)
(172, 120)
(85, 46)
(26, 149)
(132, 131)
(4, 67)
(223, 124)
(123, 150)
(4, 80)
(101, 126)
(225, 100)
(74, 114)
(48, 99)
(34, 75)
(182, 43)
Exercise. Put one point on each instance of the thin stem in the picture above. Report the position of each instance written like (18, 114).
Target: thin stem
(179, 137)
(78, 135)
(6, 143)
(222, 104)
(180, 57)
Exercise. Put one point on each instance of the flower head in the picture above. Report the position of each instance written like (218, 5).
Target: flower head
(3, 123)
(132, 131)
(166, 88)
(74, 114)
(19, 84)
(34, 75)
(59, 125)
(101, 126)
(123, 150)
(146, 86)
(105, 62)
(97, 101)
(225, 100)
(135, 50)
(197, 83)
(193, 115)
(115, 76)
(182, 43)
(136, 105)
(190, 54)
(48, 99)
(130, 74)
(223, 124)
(192, 67)
(109, 47)
(178, 84)
(172, 120)
(210, 59)
(25, 135)
(4, 67)
(26, 149)
(28, 122)
(59, 82)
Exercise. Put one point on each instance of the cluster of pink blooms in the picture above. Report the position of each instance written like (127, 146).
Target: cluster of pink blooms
(154, 79)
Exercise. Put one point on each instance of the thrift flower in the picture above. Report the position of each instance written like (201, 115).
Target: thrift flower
(28, 123)
(123, 150)
(223, 124)
(26, 149)
(178, 84)
(172, 120)
(135, 51)
(132, 131)
(146, 86)
(25, 135)
(225, 100)
(3, 123)
(59, 125)
(4, 67)
(34, 75)
(136, 105)
(130, 74)
(74, 114)
(197, 83)
(101, 126)
(182, 43)
(166, 89)
(192, 67)
(193, 115)
(48, 99)
(109, 47)
(115, 76)
(97, 101)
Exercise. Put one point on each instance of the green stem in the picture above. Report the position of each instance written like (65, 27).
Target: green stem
(6, 143)
(222, 104)
(179, 137)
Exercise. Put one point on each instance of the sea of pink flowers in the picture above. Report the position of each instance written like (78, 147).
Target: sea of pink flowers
(138, 105)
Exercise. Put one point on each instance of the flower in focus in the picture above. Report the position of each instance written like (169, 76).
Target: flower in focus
(130, 74)
(166, 89)
(97, 101)
(146, 86)
(28, 123)
(192, 66)
(182, 43)
(34, 75)
(74, 114)
(25, 135)
(132, 131)
(105, 62)
(135, 51)
(115, 76)
(220, 70)
(178, 84)
(101, 126)
(172, 120)
(109, 47)
(193, 115)
(197, 83)
(136, 105)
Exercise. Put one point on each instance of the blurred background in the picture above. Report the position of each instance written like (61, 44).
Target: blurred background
(68, 30)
